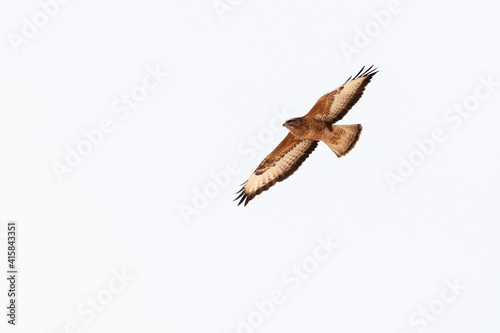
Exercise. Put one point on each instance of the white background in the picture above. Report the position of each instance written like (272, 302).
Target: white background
(120, 209)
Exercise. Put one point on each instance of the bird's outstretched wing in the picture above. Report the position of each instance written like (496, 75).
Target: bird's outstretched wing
(277, 166)
(334, 106)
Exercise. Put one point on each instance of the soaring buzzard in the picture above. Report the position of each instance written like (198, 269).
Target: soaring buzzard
(305, 132)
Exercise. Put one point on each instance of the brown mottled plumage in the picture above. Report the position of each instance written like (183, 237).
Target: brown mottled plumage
(305, 132)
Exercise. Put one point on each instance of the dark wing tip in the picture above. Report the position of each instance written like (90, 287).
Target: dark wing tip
(360, 71)
(241, 193)
(370, 71)
(349, 79)
(243, 197)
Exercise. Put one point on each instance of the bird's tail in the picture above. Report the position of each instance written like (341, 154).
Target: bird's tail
(343, 138)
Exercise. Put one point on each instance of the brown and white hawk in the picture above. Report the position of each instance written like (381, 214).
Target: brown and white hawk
(305, 132)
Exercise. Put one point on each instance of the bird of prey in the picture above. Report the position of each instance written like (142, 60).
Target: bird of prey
(306, 131)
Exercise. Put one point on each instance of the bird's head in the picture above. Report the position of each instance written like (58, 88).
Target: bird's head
(293, 123)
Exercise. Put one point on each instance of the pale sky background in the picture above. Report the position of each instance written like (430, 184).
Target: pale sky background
(222, 80)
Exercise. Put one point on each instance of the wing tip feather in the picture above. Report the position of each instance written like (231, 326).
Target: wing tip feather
(370, 71)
